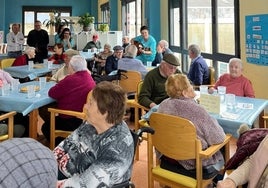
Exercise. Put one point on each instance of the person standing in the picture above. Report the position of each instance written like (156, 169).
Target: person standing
(148, 50)
(162, 49)
(15, 40)
(198, 73)
(39, 39)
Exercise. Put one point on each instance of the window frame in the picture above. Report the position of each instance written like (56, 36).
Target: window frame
(215, 56)
(46, 9)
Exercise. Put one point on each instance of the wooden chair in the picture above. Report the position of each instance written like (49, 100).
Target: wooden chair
(265, 119)
(3, 48)
(10, 125)
(54, 133)
(133, 103)
(7, 62)
(176, 138)
(212, 79)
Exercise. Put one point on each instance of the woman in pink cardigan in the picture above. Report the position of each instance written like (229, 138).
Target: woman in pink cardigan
(235, 82)
(253, 171)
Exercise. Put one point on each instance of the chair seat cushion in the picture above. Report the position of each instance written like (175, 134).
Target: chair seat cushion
(173, 165)
(175, 177)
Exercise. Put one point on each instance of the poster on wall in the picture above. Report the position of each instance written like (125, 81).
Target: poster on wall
(257, 39)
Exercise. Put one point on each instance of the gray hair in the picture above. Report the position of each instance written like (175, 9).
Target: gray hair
(163, 43)
(29, 49)
(78, 63)
(131, 51)
(235, 60)
(195, 49)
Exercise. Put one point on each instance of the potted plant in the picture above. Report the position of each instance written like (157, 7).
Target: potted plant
(86, 20)
(104, 27)
(55, 20)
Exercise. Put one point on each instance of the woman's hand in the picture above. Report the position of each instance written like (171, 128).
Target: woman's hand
(227, 183)
(60, 183)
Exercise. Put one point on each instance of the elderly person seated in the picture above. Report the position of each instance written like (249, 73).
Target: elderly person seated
(70, 94)
(112, 60)
(59, 56)
(198, 73)
(235, 82)
(161, 49)
(94, 44)
(253, 170)
(63, 71)
(153, 87)
(128, 62)
(181, 103)
(100, 59)
(100, 152)
(24, 59)
(26, 162)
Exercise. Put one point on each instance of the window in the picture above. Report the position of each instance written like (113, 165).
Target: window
(212, 24)
(32, 13)
(131, 17)
(105, 13)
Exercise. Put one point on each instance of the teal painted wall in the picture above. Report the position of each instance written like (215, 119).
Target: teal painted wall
(11, 11)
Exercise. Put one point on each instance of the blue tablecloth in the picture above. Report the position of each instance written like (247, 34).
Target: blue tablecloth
(19, 102)
(23, 71)
(87, 55)
(243, 115)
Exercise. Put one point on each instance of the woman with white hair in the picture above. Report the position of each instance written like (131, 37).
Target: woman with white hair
(234, 81)
(29, 55)
(70, 94)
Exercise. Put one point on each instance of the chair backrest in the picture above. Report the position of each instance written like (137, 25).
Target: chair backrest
(3, 48)
(10, 125)
(129, 81)
(212, 79)
(174, 137)
(7, 62)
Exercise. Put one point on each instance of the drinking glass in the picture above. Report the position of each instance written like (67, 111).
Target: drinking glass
(222, 92)
(5, 90)
(149, 64)
(15, 84)
(30, 91)
(203, 89)
(230, 101)
(30, 64)
(42, 82)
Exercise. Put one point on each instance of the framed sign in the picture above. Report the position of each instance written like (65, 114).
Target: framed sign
(257, 39)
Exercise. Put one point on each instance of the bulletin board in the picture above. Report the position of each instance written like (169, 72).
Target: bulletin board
(257, 39)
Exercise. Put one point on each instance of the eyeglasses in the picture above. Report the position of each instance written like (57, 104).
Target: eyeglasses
(66, 33)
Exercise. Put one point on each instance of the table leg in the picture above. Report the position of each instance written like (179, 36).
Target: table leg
(33, 124)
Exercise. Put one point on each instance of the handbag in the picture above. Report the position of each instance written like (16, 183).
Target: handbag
(247, 144)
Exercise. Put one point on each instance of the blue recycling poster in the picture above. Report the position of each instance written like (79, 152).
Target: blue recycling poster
(257, 39)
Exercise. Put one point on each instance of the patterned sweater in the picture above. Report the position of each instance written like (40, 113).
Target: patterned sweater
(90, 159)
